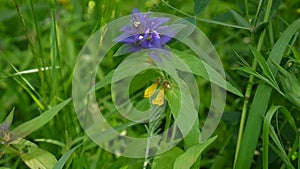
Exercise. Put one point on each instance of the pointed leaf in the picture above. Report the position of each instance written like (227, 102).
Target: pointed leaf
(200, 68)
(263, 64)
(259, 106)
(7, 122)
(261, 77)
(239, 19)
(36, 158)
(30, 126)
(170, 156)
(62, 161)
(199, 6)
(187, 159)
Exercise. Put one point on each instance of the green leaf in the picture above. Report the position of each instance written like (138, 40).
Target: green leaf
(264, 65)
(266, 127)
(261, 101)
(192, 138)
(249, 70)
(199, 6)
(36, 158)
(183, 110)
(30, 126)
(134, 164)
(239, 19)
(279, 150)
(5, 125)
(290, 84)
(260, 27)
(107, 80)
(200, 68)
(187, 159)
(167, 159)
(62, 161)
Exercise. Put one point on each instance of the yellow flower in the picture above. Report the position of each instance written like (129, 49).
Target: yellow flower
(160, 97)
(150, 90)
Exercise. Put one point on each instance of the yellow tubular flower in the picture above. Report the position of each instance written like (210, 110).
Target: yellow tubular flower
(160, 98)
(150, 90)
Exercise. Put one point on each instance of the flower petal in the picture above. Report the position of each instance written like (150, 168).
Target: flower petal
(153, 23)
(150, 90)
(164, 39)
(135, 10)
(171, 30)
(160, 98)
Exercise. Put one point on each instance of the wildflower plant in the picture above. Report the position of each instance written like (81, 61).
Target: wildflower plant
(161, 77)
(149, 88)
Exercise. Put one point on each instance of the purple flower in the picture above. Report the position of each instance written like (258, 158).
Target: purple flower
(144, 32)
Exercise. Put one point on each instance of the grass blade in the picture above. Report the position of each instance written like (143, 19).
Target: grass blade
(266, 128)
(30, 126)
(27, 86)
(261, 100)
(62, 161)
(263, 64)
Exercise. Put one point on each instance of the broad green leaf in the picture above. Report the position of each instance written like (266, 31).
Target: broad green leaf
(239, 19)
(193, 136)
(187, 159)
(174, 99)
(200, 68)
(167, 159)
(199, 6)
(261, 101)
(62, 161)
(36, 158)
(183, 110)
(30, 126)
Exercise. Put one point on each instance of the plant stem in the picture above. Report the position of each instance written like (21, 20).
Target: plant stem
(167, 124)
(40, 51)
(36, 59)
(250, 85)
(205, 20)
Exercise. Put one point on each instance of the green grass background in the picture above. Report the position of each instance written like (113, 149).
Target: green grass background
(249, 37)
